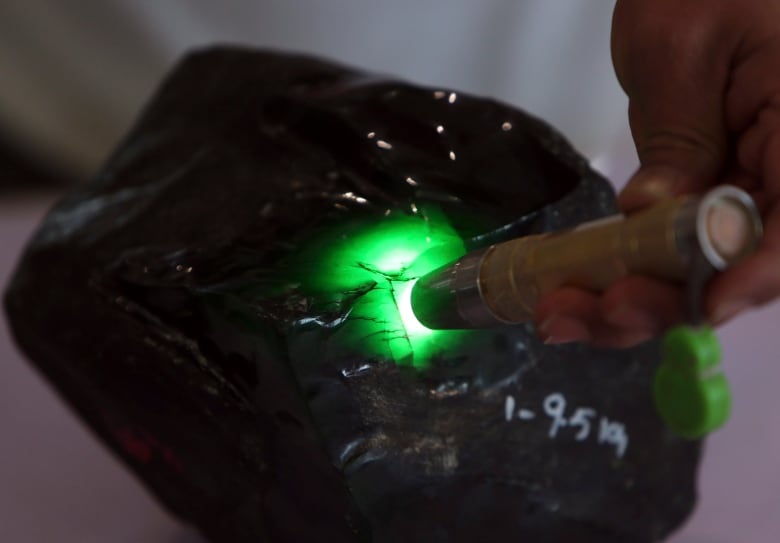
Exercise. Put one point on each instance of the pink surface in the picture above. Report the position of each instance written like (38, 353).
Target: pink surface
(57, 483)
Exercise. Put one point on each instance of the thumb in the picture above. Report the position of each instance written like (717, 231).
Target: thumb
(677, 155)
(674, 68)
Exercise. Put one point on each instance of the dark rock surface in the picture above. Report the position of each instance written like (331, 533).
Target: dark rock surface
(167, 303)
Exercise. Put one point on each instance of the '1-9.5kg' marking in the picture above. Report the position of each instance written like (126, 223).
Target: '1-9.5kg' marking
(554, 405)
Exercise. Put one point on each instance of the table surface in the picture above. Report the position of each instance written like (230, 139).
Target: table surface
(57, 483)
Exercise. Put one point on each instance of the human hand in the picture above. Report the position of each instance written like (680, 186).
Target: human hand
(703, 81)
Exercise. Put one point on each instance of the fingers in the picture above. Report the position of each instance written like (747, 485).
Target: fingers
(753, 282)
(567, 315)
(758, 149)
(755, 81)
(631, 311)
(757, 280)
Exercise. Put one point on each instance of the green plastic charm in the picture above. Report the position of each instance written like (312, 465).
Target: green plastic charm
(690, 390)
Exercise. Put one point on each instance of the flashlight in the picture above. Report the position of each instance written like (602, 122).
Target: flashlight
(502, 283)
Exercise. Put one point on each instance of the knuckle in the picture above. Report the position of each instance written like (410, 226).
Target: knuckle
(665, 143)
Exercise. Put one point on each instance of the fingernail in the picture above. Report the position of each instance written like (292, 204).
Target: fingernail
(654, 187)
(727, 310)
(630, 317)
(558, 329)
(647, 187)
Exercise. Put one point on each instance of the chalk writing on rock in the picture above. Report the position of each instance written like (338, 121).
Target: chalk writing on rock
(584, 421)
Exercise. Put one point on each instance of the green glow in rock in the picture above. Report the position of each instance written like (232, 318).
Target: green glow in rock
(396, 260)
(367, 269)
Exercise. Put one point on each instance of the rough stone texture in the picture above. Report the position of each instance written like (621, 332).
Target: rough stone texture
(157, 301)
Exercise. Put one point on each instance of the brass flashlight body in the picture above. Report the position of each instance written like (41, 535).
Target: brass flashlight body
(503, 283)
(517, 273)
(660, 241)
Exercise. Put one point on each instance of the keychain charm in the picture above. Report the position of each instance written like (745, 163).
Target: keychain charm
(690, 390)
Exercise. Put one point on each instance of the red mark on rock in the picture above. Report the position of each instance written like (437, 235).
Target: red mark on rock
(143, 446)
(133, 445)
